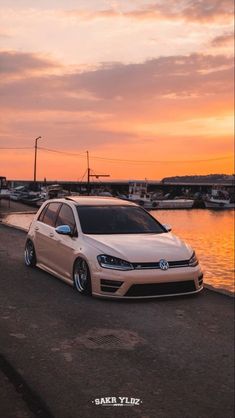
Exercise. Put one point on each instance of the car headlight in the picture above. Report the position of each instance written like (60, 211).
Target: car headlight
(114, 263)
(193, 260)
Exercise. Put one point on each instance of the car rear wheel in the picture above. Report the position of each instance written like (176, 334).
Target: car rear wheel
(81, 277)
(29, 254)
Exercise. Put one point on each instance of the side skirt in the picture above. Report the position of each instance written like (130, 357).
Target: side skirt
(54, 273)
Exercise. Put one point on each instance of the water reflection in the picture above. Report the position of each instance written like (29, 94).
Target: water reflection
(211, 234)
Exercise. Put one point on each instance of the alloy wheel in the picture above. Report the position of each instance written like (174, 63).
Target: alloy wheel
(81, 276)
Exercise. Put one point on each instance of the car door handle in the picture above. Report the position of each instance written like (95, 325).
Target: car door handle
(36, 228)
(51, 234)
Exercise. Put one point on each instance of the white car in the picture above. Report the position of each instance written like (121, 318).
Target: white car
(111, 248)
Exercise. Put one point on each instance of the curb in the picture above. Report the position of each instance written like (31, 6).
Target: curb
(5, 214)
(31, 212)
(219, 290)
(30, 398)
(13, 226)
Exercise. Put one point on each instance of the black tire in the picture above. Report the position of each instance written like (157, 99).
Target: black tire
(82, 277)
(30, 254)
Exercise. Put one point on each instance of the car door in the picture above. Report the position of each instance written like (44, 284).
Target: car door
(45, 237)
(66, 245)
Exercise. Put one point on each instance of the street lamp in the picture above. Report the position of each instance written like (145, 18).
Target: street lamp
(35, 157)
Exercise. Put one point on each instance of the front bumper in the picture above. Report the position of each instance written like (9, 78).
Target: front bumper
(147, 283)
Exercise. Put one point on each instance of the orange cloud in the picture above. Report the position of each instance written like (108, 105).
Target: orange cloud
(223, 40)
(201, 11)
(166, 109)
(20, 62)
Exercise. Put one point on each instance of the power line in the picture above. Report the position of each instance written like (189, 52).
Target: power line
(63, 152)
(16, 148)
(160, 161)
(81, 179)
(119, 160)
(136, 161)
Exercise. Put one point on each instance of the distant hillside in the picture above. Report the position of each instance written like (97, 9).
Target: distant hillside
(210, 178)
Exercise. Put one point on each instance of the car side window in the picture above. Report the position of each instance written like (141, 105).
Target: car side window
(66, 217)
(50, 214)
(40, 218)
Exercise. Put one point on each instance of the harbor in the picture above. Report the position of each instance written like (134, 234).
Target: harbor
(213, 192)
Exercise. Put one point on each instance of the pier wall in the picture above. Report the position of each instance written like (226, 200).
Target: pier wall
(175, 188)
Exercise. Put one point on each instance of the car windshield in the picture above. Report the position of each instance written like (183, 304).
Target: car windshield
(117, 220)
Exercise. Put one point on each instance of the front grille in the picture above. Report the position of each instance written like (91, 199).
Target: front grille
(158, 289)
(180, 263)
(110, 286)
(155, 265)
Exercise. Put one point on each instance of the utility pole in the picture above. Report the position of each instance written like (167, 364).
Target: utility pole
(88, 173)
(35, 158)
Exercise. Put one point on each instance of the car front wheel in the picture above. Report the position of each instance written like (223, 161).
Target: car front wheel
(29, 254)
(81, 277)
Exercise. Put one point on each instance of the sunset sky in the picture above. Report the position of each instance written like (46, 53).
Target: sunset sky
(146, 87)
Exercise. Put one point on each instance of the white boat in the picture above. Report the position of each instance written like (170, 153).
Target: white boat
(18, 192)
(4, 193)
(219, 199)
(51, 192)
(138, 193)
(173, 204)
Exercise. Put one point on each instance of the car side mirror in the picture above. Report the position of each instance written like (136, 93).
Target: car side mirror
(167, 227)
(63, 230)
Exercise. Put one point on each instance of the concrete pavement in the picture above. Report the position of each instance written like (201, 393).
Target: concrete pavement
(175, 355)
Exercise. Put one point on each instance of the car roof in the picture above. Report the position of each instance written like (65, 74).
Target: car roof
(95, 201)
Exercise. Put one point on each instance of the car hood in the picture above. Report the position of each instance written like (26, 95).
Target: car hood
(141, 247)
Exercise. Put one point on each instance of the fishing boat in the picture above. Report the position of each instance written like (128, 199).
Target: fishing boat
(219, 199)
(51, 192)
(19, 192)
(138, 193)
(31, 199)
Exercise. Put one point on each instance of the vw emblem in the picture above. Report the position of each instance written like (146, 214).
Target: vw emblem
(164, 265)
